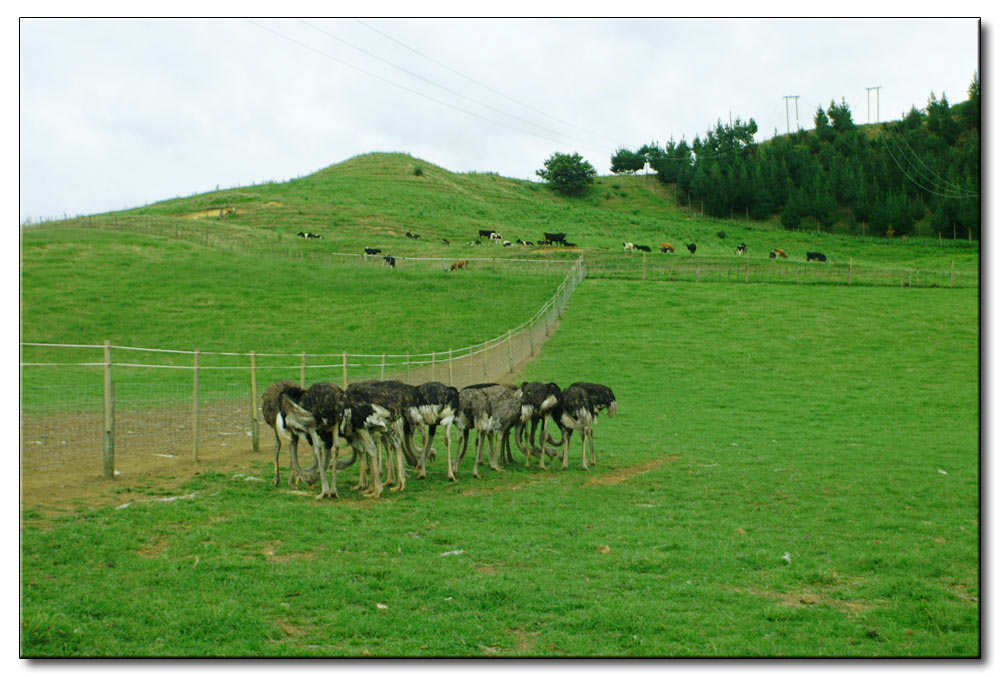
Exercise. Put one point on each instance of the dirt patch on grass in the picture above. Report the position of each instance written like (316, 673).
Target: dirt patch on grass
(624, 474)
(505, 487)
(217, 212)
(809, 598)
(73, 484)
(271, 556)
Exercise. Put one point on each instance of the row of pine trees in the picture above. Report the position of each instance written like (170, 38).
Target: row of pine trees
(918, 175)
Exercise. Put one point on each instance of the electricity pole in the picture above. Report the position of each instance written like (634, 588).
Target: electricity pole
(786, 98)
(869, 89)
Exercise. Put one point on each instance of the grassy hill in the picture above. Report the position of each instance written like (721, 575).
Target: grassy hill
(374, 200)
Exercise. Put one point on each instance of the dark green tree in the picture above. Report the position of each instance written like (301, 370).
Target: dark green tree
(824, 132)
(840, 117)
(568, 174)
(625, 161)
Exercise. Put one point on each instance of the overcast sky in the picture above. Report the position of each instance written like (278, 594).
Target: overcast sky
(120, 113)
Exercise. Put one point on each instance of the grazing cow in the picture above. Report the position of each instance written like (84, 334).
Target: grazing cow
(692, 247)
(460, 265)
(775, 253)
(485, 233)
(741, 249)
(815, 256)
(530, 243)
(506, 243)
(444, 241)
(372, 251)
(414, 236)
(642, 247)
(552, 238)
(626, 246)
(520, 241)
(666, 248)
(391, 260)
(496, 237)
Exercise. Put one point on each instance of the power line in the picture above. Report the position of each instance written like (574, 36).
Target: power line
(487, 87)
(964, 196)
(930, 176)
(450, 91)
(396, 84)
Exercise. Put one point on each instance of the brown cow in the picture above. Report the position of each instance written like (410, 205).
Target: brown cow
(460, 265)
(666, 247)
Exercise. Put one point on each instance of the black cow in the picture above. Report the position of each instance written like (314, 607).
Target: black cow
(372, 251)
(741, 249)
(415, 236)
(642, 248)
(815, 256)
(692, 247)
(552, 238)
(486, 233)
(391, 260)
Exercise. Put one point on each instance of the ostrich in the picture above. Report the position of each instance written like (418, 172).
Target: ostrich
(269, 405)
(317, 414)
(503, 411)
(537, 399)
(578, 407)
(362, 418)
(439, 405)
(395, 405)
(473, 413)
(601, 397)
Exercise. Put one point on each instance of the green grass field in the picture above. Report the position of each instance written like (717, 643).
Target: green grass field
(793, 472)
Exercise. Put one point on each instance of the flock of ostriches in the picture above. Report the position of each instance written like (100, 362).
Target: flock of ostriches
(376, 416)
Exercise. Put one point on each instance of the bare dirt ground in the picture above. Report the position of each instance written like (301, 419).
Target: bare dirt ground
(81, 483)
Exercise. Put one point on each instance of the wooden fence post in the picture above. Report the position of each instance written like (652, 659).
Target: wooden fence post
(451, 368)
(109, 416)
(302, 371)
(434, 365)
(197, 353)
(382, 371)
(345, 370)
(510, 351)
(485, 349)
(254, 419)
(531, 336)
(407, 377)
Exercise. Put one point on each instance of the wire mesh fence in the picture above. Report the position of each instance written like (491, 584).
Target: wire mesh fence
(187, 403)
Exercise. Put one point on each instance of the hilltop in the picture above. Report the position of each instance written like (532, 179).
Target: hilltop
(374, 200)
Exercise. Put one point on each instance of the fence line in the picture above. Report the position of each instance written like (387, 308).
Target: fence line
(683, 268)
(124, 420)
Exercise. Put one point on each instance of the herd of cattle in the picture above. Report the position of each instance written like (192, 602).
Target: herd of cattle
(560, 239)
(376, 417)
(741, 249)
